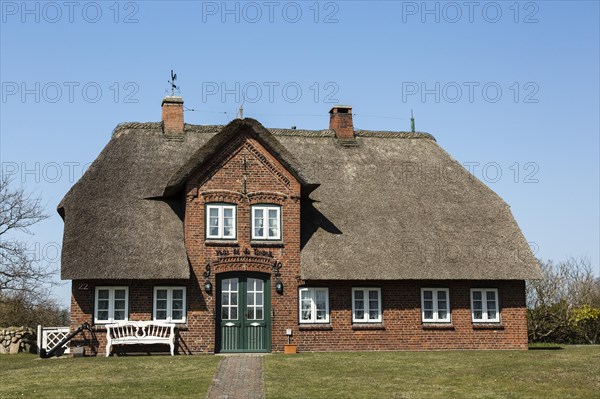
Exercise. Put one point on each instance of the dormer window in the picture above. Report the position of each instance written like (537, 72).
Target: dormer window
(220, 221)
(266, 222)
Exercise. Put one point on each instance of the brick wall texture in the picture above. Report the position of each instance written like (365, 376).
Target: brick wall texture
(245, 173)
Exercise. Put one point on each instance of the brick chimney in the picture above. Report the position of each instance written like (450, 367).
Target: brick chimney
(340, 121)
(172, 115)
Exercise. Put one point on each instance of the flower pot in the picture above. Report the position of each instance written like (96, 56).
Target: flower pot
(289, 349)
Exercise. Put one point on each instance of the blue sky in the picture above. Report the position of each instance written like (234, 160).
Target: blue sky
(510, 89)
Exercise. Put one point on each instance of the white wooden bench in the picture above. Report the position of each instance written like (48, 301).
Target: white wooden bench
(140, 332)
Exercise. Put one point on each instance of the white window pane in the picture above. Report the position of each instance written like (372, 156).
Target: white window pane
(321, 303)
(103, 294)
(273, 213)
(161, 304)
(373, 294)
(359, 294)
(477, 314)
(161, 294)
(441, 295)
(427, 294)
(161, 314)
(373, 314)
(491, 314)
(491, 305)
(228, 213)
(250, 299)
(259, 299)
(102, 304)
(359, 305)
(120, 304)
(428, 314)
(306, 315)
(119, 294)
(177, 304)
(428, 305)
(490, 295)
(177, 315)
(273, 232)
(359, 314)
(119, 315)
(228, 222)
(373, 305)
(442, 304)
(320, 295)
(476, 295)
(102, 314)
(233, 313)
(213, 231)
(258, 214)
(234, 299)
(177, 294)
(304, 294)
(321, 315)
(227, 232)
(442, 314)
(234, 284)
(213, 212)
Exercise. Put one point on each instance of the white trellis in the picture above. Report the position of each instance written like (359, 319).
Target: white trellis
(49, 337)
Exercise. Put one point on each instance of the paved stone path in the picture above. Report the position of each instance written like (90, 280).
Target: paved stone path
(239, 376)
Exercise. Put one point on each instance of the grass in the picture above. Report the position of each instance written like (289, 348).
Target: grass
(26, 376)
(572, 372)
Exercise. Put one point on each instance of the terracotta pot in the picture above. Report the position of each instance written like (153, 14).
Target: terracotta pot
(289, 349)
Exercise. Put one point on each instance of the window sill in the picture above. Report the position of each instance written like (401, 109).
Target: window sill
(315, 327)
(266, 243)
(221, 243)
(368, 326)
(439, 326)
(488, 326)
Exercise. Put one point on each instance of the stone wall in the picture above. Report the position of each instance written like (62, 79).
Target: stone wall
(18, 339)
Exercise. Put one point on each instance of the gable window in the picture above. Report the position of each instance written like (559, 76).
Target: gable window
(220, 221)
(111, 304)
(435, 305)
(484, 305)
(366, 305)
(314, 305)
(266, 222)
(169, 304)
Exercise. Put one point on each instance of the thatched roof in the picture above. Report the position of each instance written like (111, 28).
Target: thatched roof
(396, 206)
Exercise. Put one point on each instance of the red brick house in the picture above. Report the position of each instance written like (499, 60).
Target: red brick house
(347, 239)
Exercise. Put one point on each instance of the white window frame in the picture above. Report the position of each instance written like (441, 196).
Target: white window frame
(435, 300)
(170, 290)
(366, 308)
(221, 208)
(266, 209)
(484, 309)
(313, 310)
(111, 304)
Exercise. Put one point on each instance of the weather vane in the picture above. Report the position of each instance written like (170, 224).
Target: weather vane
(172, 83)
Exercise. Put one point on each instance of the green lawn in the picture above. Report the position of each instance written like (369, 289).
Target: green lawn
(572, 372)
(26, 376)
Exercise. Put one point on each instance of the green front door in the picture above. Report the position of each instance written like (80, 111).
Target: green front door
(244, 313)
